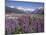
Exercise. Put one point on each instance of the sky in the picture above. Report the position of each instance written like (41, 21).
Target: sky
(24, 4)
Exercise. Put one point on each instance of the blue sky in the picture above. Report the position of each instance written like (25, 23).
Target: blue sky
(24, 4)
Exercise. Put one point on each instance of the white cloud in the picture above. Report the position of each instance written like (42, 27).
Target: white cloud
(29, 9)
(11, 6)
(25, 9)
(20, 8)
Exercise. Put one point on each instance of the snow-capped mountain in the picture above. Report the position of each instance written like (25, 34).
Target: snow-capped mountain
(27, 10)
(39, 10)
(24, 10)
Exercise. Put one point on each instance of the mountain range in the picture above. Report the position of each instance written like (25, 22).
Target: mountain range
(22, 10)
